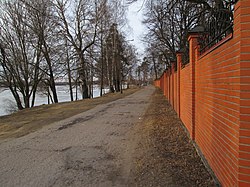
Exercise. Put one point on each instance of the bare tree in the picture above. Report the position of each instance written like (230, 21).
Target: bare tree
(21, 54)
(105, 23)
(129, 61)
(43, 40)
(168, 23)
(68, 61)
(43, 25)
(113, 51)
(80, 28)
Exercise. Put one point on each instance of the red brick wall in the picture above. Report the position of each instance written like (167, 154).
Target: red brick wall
(185, 97)
(243, 19)
(217, 110)
(171, 88)
(157, 83)
(168, 84)
(214, 100)
(175, 91)
(165, 84)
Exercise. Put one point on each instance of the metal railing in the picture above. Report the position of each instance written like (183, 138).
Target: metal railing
(218, 26)
(185, 58)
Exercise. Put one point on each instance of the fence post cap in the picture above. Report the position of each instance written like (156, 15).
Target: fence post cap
(197, 29)
(195, 32)
(181, 51)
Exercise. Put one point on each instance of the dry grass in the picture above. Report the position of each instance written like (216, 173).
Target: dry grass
(166, 155)
(29, 120)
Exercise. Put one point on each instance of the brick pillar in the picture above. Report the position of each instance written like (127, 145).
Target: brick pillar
(172, 83)
(193, 43)
(162, 83)
(165, 83)
(179, 64)
(169, 84)
(242, 22)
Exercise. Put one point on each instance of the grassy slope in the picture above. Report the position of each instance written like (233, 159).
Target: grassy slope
(29, 120)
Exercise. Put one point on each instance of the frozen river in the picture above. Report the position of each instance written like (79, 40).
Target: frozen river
(7, 101)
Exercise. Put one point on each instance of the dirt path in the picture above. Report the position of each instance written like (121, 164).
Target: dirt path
(32, 119)
(134, 141)
(94, 148)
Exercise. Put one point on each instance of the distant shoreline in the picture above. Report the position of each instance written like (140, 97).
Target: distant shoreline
(57, 84)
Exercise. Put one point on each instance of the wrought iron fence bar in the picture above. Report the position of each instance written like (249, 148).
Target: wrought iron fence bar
(219, 25)
(210, 44)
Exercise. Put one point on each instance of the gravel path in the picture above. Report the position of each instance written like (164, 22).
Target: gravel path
(94, 148)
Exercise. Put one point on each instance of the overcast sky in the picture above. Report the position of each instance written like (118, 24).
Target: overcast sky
(135, 16)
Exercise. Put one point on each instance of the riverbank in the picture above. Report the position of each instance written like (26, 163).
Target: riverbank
(29, 120)
(8, 105)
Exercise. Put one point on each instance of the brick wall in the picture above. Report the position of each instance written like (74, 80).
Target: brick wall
(175, 91)
(212, 97)
(217, 110)
(243, 19)
(185, 97)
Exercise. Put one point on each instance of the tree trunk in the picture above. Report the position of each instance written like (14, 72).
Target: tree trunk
(33, 96)
(36, 74)
(13, 90)
(51, 74)
(102, 73)
(85, 90)
(48, 96)
(17, 98)
(155, 69)
(71, 89)
(76, 90)
(26, 101)
(53, 88)
(121, 77)
(69, 77)
(102, 66)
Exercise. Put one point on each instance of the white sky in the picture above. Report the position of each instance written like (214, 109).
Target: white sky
(135, 17)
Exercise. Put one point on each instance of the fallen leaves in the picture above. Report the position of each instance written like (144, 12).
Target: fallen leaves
(167, 156)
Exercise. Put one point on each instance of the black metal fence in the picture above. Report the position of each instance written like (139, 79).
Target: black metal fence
(185, 58)
(218, 26)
